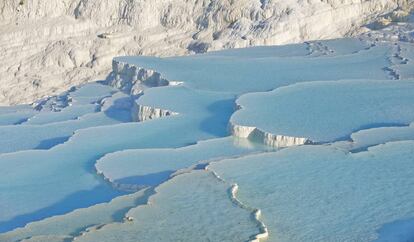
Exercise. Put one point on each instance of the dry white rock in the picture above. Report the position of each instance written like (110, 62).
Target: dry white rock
(48, 46)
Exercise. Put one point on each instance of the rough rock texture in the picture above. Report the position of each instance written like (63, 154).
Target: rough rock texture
(133, 79)
(266, 138)
(142, 113)
(48, 46)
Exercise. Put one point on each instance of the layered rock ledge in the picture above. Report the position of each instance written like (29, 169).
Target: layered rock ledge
(266, 138)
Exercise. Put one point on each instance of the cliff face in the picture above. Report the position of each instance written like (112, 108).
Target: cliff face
(48, 46)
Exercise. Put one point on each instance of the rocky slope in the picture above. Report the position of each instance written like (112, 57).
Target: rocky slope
(48, 46)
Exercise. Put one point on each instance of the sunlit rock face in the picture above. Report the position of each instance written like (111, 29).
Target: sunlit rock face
(142, 113)
(48, 47)
(133, 79)
(266, 138)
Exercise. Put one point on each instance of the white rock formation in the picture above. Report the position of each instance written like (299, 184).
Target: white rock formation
(266, 138)
(133, 79)
(48, 46)
(258, 135)
(142, 113)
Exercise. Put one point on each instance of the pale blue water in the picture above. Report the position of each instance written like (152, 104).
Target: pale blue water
(206, 215)
(154, 166)
(13, 118)
(246, 73)
(326, 90)
(328, 111)
(68, 113)
(317, 193)
(44, 136)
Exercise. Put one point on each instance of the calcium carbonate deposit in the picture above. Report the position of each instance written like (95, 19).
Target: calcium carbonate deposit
(307, 141)
(48, 46)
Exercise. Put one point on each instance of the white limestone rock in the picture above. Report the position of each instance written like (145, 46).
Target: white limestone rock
(59, 43)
